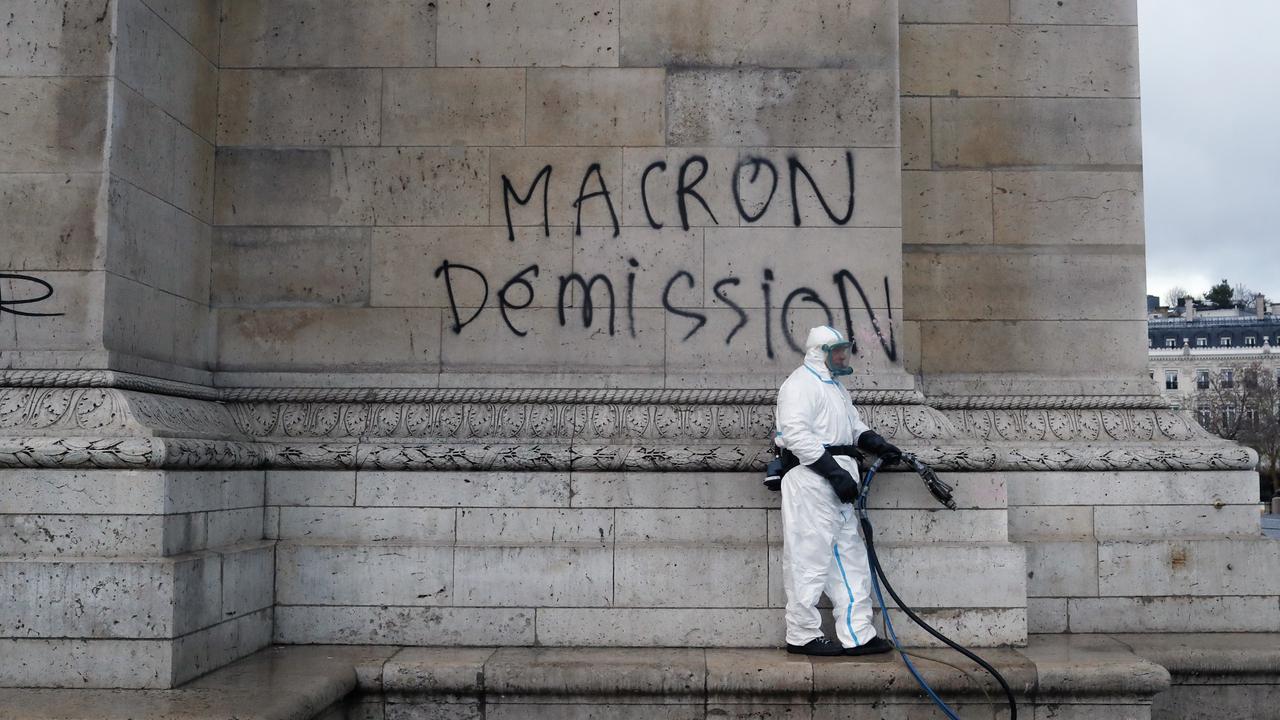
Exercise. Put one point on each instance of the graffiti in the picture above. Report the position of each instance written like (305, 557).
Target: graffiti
(599, 304)
(6, 304)
(688, 197)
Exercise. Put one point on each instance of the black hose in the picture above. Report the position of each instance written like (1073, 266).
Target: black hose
(884, 579)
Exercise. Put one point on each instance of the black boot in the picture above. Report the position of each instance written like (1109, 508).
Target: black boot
(874, 646)
(817, 646)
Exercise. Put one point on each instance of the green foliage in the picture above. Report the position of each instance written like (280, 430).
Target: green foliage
(1220, 295)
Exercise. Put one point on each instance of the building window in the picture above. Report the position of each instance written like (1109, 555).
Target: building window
(1171, 342)
(1251, 417)
(1202, 341)
(1202, 379)
(1228, 378)
(1170, 379)
(1250, 340)
(1204, 414)
(1228, 415)
(1250, 378)
(1225, 341)
(1151, 374)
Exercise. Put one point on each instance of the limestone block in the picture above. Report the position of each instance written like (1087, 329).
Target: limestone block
(595, 106)
(404, 263)
(197, 22)
(1084, 12)
(1038, 523)
(947, 207)
(608, 344)
(712, 527)
(309, 574)
(453, 106)
(212, 648)
(1046, 615)
(325, 339)
(987, 132)
(51, 222)
(142, 142)
(271, 523)
(809, 33)
(775, 676)
(198, 490)
(1128, 522)
(266, 266)
(367, 525)
(463, 489)
(691, 575)
(1023, 61)
(1050, 347)
(91, 598)
(675, 489)
(404, 625)
(193, 164)
(156, 244)
(657, 257)
(74, 321)
(660, 627)
(1174, 614)
(30, 491)
(1068, 207)
(233, 527)
(954, 11)
(570, 174)
(570, 33)
(671, 675)
(311, 487)
(872, 255)
(1062, 569)
(939, 525)
(971, 627)
(129, 330)
(507, 526)
(905, 491)
(299, 107)
(77, 663)
(934, 575)
(354, 186)
(801, 108)
(877, 198)
(1188, 567)
(917, 134)
(1131, 488)
(153, 59)
(989, 285)
(550, 575)
(29, 142)
(579, 711)
(50, 38)
(28, 536)
(248, 579)
(660, 186)
(329, 33)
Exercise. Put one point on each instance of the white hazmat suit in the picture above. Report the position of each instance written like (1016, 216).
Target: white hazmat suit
(822, 549)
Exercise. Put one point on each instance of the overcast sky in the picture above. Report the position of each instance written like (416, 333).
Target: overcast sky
(1211, 142)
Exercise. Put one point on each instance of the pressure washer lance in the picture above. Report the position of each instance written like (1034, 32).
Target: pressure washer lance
(942, 492)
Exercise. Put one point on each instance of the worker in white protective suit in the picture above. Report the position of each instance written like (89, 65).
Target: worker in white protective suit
(821, 435)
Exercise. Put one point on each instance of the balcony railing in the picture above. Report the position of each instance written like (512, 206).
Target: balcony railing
(1212, 321)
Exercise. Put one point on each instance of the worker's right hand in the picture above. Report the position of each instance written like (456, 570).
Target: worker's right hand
(841, 481)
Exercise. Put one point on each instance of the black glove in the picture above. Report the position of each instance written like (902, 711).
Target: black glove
(888, 453)
(845, 486)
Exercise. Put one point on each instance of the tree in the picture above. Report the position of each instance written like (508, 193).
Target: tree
(1220, 295)
(1242, 296)
(1243, 404)
(1173, 296)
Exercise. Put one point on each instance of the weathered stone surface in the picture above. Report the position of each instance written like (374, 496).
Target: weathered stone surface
(311, 487)
(328, 33)
(453, 106)
(954, 11)
(1032, 346)
(1086, 12)
(1061, 569)
(877, 198)
(51, 221)
(809, 33)
(454, 489)
(655, 256)
(576, 711)
(161, 65)
(313, 339)
(545, 575)
(1037, 523)
(1188, 567)
(1023, 61)
(347, 625)
(662, 627)
(985, 132)
(571, 174)
(1129, 488)
(595, 106)
(542, 33)
(1173, 614)
(310, 574)
(1121, 522)
(356, 186)
(660, 186)
(947, 207)
(156, 244)
(299, 107)
(46, 37)
(233, 527)
(26, 536)
(75, 319)
(1062, 208)
(198, 22)
(265, 267)
(29, 142)
(65, 663)
(248, 578)
(506, 526)
(802, 108)
(1046, 615)
(367, 525)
